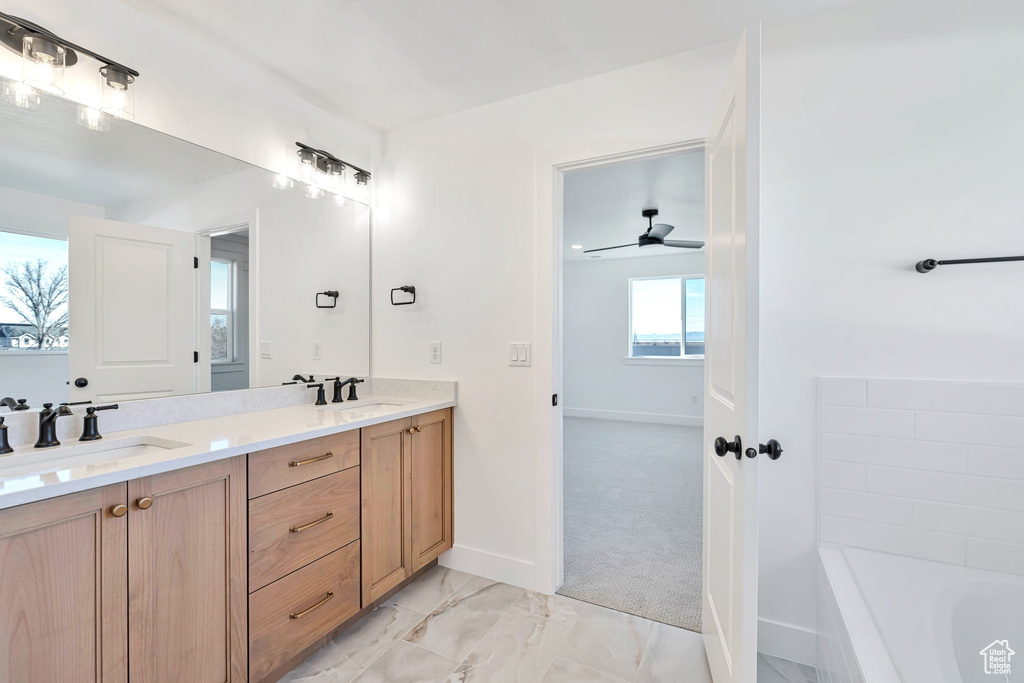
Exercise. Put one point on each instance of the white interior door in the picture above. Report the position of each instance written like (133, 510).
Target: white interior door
(131, 319)
(730, 378)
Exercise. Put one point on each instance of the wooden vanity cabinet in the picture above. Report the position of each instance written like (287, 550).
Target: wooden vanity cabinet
(64, 589)
(142, 581)
(406, 498)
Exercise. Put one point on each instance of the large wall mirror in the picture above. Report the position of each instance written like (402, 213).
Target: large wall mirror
(137, 265)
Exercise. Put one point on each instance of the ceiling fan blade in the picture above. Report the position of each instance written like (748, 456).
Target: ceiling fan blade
(661, 230)
(621, 246)
(683, 244)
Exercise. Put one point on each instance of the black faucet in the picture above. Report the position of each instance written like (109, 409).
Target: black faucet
(90, 427)
(20, 404)
(321, 400)
(300, 378)
(337, 389)
(351, 382)
(48, 425)
(5, 445)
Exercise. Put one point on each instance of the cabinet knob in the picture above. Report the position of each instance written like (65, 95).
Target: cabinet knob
(410, 430)
(119, 510)
(144, 503)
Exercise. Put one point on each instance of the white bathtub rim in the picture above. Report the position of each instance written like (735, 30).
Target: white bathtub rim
(872, 657)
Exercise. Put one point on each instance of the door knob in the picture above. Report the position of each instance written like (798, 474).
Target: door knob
(81, 383)
(144, 503)
(773, 449)
(722, 446)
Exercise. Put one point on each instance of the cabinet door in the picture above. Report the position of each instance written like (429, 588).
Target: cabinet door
(64, 589)
(430, 452)
(187, 575)
(386, 506)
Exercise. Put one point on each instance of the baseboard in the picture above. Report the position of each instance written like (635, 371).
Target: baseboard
(490, 566)
(626, 416)
(786, 641)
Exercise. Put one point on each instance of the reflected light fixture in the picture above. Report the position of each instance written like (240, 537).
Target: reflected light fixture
(314, 191)
(44, 58)
(19, 94)
(283, 182)
(92, 118)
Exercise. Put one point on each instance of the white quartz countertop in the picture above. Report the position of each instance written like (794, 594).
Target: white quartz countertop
(31, 474)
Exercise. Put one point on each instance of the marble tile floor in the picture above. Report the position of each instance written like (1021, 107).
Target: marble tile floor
(452, 627)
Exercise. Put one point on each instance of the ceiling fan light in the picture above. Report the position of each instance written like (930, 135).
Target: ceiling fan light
(577, 246)
(43, 64)
(117, 97)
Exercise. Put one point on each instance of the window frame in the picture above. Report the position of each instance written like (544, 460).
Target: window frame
(683, 358)
(232, 352)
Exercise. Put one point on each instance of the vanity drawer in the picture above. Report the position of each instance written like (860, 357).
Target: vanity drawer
(289, 529)
(291, 614)
(285, 466)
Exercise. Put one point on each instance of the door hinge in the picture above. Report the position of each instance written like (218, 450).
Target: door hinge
(195, 356)
(554, 399)
(195, 262)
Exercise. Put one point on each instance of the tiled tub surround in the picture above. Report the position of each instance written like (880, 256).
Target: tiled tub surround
(926, 469)
(211, 427)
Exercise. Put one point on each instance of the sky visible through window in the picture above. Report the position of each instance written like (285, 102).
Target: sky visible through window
(17, 248)
(657, 309)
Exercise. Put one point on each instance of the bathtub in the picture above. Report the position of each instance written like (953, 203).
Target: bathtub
(890, 619)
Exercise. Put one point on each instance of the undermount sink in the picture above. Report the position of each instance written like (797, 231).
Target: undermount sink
(84, 453)
(355, 405)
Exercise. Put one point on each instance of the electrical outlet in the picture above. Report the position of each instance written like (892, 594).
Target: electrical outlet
(266, 350)
(435, 353)
(318, 350)
(694, 400)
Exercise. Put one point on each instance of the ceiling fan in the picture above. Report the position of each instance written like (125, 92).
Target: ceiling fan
(655, 235)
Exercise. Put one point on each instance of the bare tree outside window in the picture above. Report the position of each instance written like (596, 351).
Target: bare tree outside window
(39, 295)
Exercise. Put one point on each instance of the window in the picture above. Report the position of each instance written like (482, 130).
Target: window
(222, 310)
(33, 293)
(666, 317)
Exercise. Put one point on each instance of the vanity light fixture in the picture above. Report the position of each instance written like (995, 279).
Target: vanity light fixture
(19, 94)
(283, 182)
(92, 118)
(322, 172)
(45, 55)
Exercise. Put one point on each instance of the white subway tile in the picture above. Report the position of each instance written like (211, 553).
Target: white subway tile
(927, 545)
(867, 421)
(996, 461)
(866, 506)
(874, 450)
(999, 525)
(995, 556)
(844, 392)
(947, 488)
(841, 475)
(953, 397)
(983, 430)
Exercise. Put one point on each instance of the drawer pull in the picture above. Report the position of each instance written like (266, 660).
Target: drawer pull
(300, 529)
(299, 615)
(300, 463)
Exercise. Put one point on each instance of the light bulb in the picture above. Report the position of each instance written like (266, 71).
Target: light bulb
(314, 191)
(117, 95)
(92, 118)
(307, 166)
(19, 94)
(577, 246)
(283, 182)
(42, 64)
(339, 200)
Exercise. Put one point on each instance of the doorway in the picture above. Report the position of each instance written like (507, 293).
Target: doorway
(633, 385)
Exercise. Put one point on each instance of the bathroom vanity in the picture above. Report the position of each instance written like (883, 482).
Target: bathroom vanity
(222, 549)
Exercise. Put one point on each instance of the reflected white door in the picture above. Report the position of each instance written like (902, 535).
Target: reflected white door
(131, 319)
(730, 378)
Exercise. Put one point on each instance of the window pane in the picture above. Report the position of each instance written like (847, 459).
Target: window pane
(218, 337)
(33, 292)
(694, 317)
(657, 328)
(220, 285)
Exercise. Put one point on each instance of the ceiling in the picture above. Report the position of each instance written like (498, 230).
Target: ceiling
(45, 151)
(388, 63)
(602, 205)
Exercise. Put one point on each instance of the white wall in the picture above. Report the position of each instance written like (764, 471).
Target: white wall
(892, 133)
(457, 220)
(597, 380)
(187, 89)
(40, 213)
(302, 246)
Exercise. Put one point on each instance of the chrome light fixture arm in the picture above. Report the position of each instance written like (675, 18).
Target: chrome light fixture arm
(13, 29)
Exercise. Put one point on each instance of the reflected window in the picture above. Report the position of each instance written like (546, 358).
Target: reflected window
(223, 284)
(33, 292)
(666, 317)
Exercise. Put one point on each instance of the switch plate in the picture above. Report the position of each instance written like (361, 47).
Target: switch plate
(520, 354)
(318, 350)
(435, 353)
(266, 350)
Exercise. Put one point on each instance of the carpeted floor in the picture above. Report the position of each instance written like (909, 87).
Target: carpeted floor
(633, 528)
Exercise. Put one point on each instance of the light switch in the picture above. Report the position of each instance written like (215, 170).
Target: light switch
(266, 350)
(518, 354)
